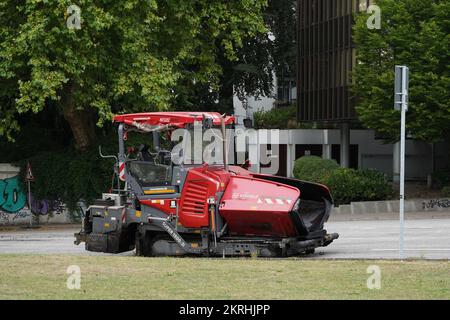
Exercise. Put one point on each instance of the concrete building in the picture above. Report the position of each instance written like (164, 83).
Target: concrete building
(325, 58)
(284, 92)
(366, 152)
(245, 109)
(326, 55)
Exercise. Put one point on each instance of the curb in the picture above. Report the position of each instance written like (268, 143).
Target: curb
(393, 206)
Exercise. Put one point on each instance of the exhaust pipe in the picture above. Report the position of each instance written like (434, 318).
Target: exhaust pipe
(224, 139)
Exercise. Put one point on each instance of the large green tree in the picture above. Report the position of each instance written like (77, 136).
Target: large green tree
(281, 19)
(127, 55)
(415, 33)
(251, 73)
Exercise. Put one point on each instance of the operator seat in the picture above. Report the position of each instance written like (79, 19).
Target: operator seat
(165, 157)
(144, 154)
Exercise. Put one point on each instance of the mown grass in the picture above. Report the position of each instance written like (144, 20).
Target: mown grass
(116, 277)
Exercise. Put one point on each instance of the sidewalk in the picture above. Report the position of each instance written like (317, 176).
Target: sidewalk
(333, 217)
(40, 228)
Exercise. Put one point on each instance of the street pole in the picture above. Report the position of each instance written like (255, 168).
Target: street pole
(402, 180)
(29, 177)
(401, 102)
(29, 203)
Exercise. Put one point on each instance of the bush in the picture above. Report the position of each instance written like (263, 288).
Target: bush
(349, 185)
(69, 176)
(442, 177)
(374, 185)
(446, 191)
(315, 169)
(346, 185)
(277, 118)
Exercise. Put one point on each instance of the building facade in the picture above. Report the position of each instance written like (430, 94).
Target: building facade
(326, 56)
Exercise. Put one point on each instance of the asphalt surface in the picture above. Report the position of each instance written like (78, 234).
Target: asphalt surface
(368, 239)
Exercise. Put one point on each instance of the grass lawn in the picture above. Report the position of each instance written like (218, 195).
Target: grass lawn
(118, 277)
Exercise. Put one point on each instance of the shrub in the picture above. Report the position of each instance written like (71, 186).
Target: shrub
(442, 177)
(349, 185)
(315, 169)
(346, 185)
(277, 118)
(446, 191)
(69, 176)
(375, 185)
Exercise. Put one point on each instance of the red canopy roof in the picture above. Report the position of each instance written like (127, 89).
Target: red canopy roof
(169, 119)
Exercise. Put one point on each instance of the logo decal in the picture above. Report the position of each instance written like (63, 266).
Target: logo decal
(174, 235)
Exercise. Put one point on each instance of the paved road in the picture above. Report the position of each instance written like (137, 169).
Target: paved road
(378, 239)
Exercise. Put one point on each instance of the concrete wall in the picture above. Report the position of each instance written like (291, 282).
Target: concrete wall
(392, 206)
(7, 170)
(374, 154)
(14, 209)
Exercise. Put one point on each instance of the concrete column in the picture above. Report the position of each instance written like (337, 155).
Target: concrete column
(257, 166)
(326, 147)
(396, 162)
(345, 145)
(290, 159)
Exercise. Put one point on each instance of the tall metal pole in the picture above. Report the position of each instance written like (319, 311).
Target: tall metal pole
(404, 107)
(225, 144)
(402, 182)
(29, 204)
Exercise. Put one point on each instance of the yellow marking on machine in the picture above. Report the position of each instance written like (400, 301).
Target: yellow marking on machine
(159, 191)
(138, 213)
(106, 225)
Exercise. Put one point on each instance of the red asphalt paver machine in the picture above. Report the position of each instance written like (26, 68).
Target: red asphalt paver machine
(168, 209)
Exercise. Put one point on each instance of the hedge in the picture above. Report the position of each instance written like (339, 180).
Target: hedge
(446, 191)
(69, 176)
(346, 185)
(313, 168)
(276, 118)
(441, 178)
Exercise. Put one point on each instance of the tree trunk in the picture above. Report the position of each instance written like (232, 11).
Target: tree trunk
(81, 121)
(226, 90)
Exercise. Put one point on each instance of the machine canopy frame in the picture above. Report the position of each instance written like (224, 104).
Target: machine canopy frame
(160, 121)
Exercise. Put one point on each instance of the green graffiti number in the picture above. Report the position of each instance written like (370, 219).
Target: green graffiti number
(12, 199)
(2, 193)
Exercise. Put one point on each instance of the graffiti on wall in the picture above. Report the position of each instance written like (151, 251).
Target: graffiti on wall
(7, 217)
(12, 199)
(436, 203)
(13, 203)
(44, 207)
